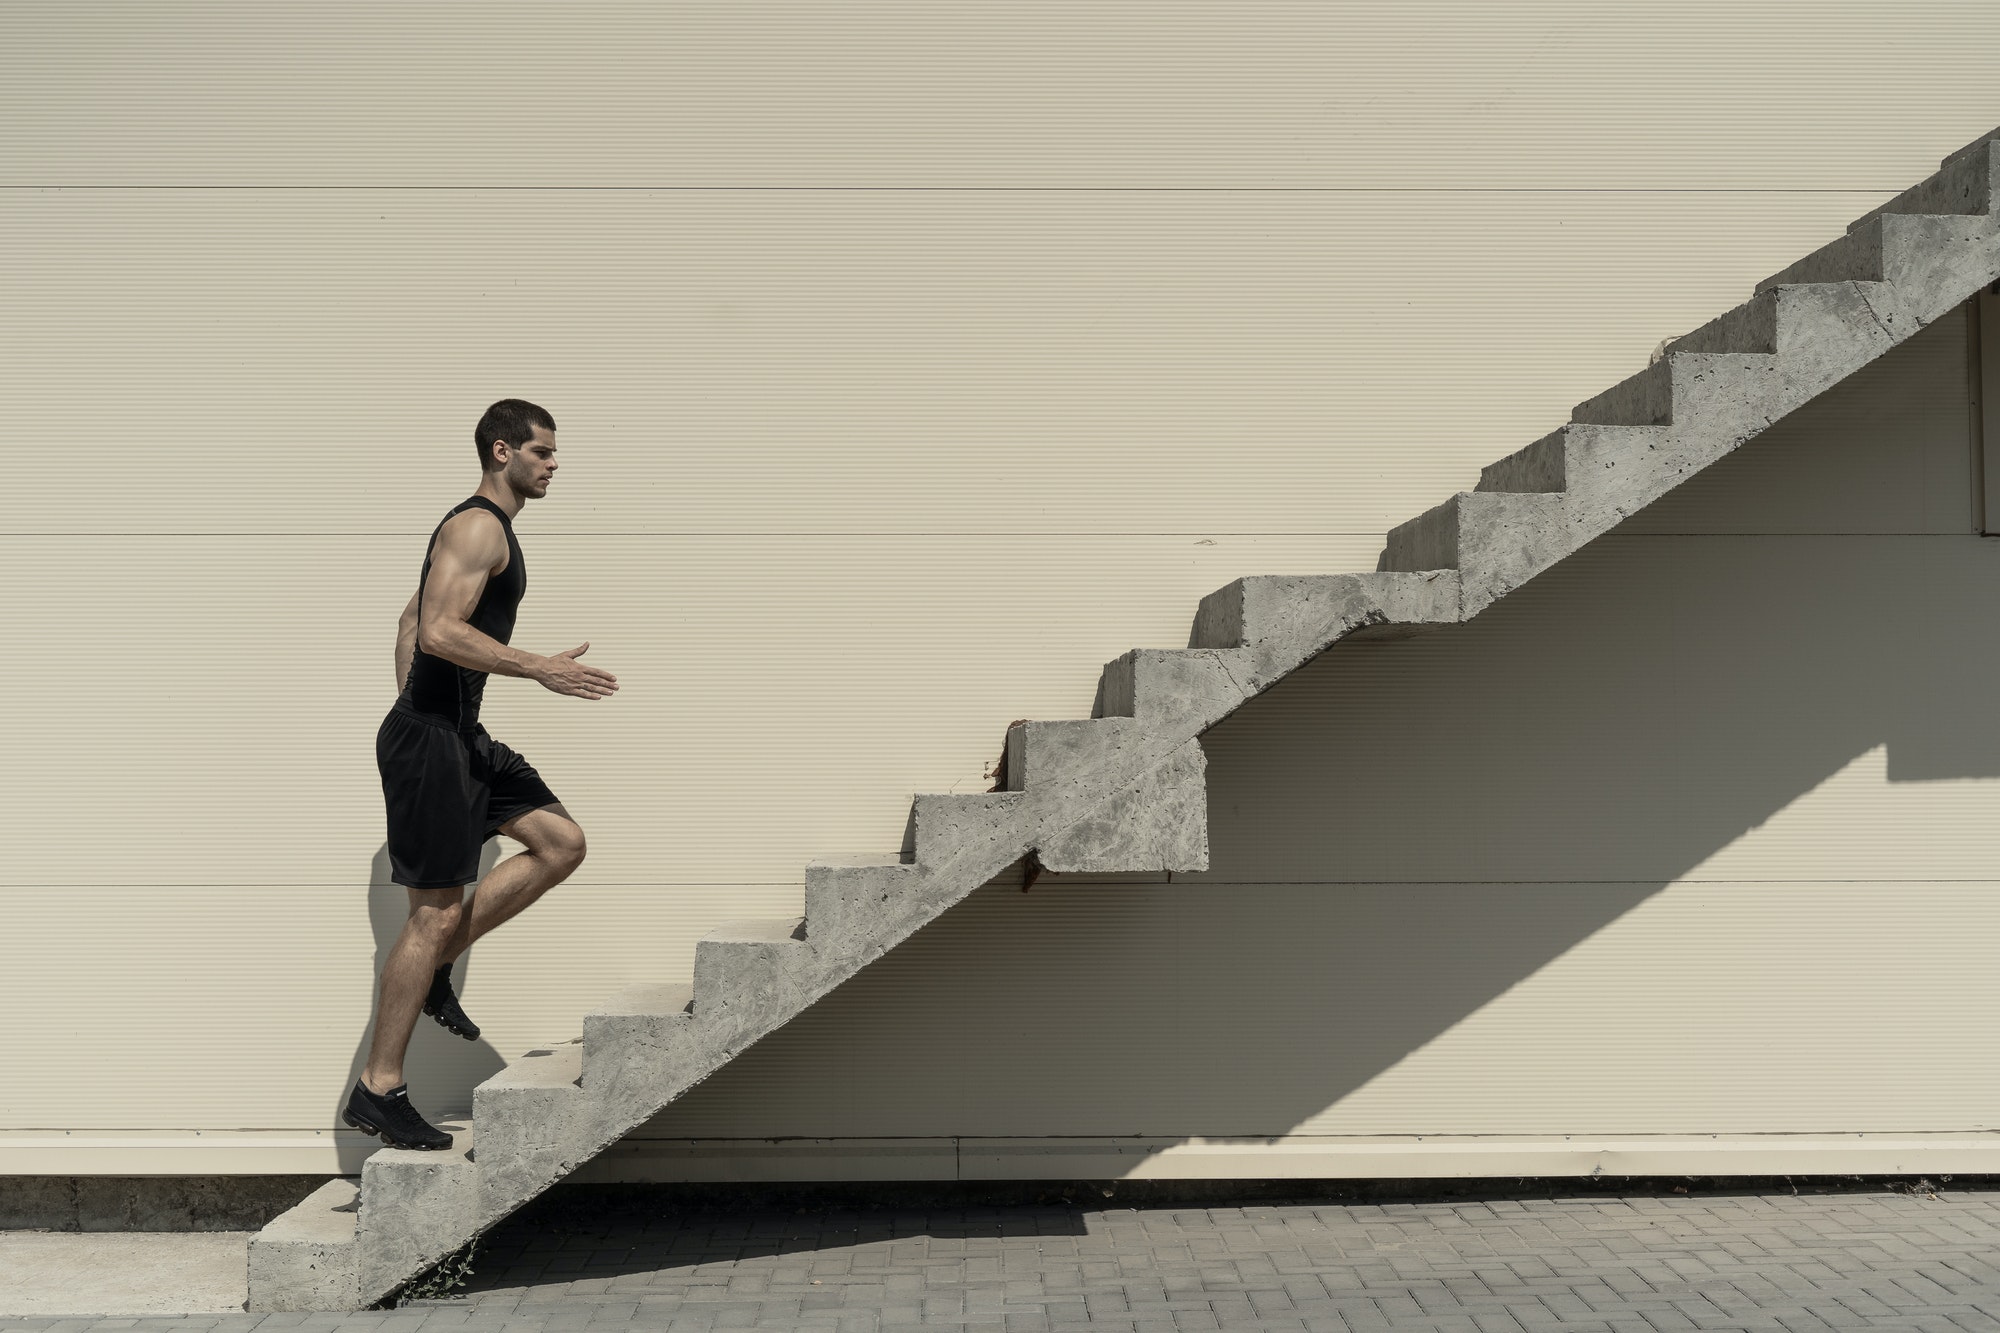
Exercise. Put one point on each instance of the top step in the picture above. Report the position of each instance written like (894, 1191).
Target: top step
(1964, 184)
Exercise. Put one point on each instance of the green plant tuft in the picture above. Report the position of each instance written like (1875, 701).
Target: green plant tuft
(436, 1282)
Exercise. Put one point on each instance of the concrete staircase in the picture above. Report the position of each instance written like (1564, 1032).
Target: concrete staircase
(1124, 789)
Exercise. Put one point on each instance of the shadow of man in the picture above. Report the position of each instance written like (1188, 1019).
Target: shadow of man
(442, 1069)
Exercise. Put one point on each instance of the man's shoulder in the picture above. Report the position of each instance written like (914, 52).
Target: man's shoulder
(474, 527)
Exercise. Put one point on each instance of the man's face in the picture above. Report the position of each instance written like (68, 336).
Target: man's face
(530, 467)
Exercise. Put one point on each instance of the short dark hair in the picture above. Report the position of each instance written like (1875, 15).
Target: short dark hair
(512, 420)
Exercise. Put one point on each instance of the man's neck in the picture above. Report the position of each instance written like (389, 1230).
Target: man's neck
(502, 495)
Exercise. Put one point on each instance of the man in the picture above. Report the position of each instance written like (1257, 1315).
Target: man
(448, 784)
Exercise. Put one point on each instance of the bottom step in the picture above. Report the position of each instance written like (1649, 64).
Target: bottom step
(306, 1258)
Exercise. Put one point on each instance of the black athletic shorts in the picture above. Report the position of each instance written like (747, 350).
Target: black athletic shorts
(448, 791)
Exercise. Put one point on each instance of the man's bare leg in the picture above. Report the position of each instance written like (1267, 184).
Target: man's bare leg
(554, 850)
(435, 914)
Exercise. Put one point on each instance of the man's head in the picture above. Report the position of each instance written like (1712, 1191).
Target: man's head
(517, 439)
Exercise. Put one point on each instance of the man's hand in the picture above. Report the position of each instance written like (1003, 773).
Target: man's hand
(565, 675)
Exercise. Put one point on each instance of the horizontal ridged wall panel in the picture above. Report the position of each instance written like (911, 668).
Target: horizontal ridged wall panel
(1393, 1009)
(910, 364)
(1745, 94)
(778, 698)
(1651, 710)
(747, 363)
(247, 1007)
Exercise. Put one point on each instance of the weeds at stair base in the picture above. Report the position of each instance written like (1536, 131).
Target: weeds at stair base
(436, 1282)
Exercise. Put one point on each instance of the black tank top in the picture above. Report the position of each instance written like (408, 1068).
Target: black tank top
(445, 688)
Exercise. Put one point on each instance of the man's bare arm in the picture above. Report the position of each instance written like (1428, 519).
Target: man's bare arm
(468, 546)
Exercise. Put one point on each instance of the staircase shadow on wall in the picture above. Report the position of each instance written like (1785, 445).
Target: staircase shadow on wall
(442, 1070)
(1404, 830)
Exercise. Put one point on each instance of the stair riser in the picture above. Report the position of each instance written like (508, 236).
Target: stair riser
(741, 988)
(1054, 756)
(533, 1122)
(1428, 541)
(291, 1276)
(1469, 530)
(1699, 392)
(624, 1054)
(1579, 458)
(1167, 689)
(306, 1259)
(982, 828)
(848, 907)
(1281, 620)
(1498, 540)
(1540, 468)
(525, 1161)
(1753, 326)
(415, 1211)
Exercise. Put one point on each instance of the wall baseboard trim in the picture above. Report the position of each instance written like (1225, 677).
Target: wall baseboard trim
(325, 1153)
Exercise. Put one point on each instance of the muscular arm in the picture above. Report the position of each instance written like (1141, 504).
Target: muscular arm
(468, 547)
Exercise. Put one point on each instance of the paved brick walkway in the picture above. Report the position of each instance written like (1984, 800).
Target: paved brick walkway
(1574, 1263)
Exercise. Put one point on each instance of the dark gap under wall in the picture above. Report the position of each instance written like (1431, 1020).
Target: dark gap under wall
(246, 1203)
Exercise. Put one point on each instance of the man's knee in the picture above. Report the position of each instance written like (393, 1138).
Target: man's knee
(565, 845)
(437, 920)
(550, 834)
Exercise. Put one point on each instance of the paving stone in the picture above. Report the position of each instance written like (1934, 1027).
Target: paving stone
(1567, 1264)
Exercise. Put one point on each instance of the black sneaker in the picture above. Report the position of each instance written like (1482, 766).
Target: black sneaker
(442, 1004)
(391, 1116)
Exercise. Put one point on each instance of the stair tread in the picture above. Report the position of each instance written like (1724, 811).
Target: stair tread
(860, 859)
(327, 1216)
(756, 930)
(647, 997)
(458, 1124)
(541, 1067)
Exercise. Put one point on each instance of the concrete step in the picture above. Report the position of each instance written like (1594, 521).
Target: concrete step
(533, 1122)
(1678, 388)
(306, 1257)
(746, 973)
(1285, 619)
(1066, 754)
(1784, 320)
(1890, 242)
(1576, 454)
(1175, 688)
(946, 828)
(1967, 182)
(855, 899)
(418, 1205)
(630, 1041)
(1496, 540)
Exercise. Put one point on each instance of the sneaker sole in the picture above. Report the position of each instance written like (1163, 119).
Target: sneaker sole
(452, 1028)
(355, 1122)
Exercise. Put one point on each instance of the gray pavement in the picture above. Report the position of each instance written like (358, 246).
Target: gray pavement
(1569, 1261)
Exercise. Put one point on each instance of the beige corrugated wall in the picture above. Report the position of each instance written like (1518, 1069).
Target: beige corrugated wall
(910, 362)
